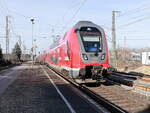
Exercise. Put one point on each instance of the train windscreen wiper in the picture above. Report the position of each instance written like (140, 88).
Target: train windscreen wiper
(98, 50)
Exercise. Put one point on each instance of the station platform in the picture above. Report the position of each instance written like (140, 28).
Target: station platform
(35, 89)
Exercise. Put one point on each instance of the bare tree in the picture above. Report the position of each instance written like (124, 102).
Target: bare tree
(16, 53)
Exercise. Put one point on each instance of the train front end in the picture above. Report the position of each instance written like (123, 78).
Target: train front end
(93, 62)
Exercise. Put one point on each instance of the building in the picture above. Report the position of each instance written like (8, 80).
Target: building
(146, 58)
(135, 56)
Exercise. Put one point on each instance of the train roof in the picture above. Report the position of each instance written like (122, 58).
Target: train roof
(86, 23)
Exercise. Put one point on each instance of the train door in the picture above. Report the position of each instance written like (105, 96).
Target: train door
(69, 55)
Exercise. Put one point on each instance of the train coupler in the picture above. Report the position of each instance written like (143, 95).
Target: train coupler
(98, 73)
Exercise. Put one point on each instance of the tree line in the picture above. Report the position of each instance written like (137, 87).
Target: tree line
(15, 56)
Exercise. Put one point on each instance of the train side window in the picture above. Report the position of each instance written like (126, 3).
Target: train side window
(68, 50)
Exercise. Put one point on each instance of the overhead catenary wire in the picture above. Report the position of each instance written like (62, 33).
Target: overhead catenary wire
(8, 11)
(129, 12)
(3, 12)
(68, 10)
(72, 17)
(3, 8)
(135, 39)
(135, 21)
(135, 10)
(13, 28)
(19, 14)
(76, 12)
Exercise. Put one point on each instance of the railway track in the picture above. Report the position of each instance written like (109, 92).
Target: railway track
(138, 83)
(113, 97)
(100, 100)
(122, 98)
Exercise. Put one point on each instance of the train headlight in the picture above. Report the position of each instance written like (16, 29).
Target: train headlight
(103, 57)
(85, 57)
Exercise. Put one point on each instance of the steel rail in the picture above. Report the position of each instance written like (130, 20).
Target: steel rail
(100, 100)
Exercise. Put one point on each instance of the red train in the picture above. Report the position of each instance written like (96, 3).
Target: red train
(82, 53)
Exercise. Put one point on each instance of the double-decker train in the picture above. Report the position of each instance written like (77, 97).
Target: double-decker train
(82, 53)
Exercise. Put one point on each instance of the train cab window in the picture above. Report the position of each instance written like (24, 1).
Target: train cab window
(91, 38)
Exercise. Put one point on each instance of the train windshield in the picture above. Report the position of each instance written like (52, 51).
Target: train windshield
(91, 38)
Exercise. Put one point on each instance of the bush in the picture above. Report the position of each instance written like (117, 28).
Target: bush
(5, 62)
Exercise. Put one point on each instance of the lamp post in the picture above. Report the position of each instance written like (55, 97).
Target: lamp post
(35, 46)
(32, 20)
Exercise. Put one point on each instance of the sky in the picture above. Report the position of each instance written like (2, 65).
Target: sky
(55, 17)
